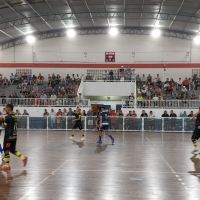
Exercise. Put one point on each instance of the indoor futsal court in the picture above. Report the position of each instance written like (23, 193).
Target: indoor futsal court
(149, 166)
(99, 99)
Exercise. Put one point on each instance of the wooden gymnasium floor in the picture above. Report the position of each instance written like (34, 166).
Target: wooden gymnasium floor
(150, 166)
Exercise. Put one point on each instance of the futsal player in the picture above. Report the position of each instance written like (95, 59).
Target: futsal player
(196, 133)
(78, 124)
(10, 139)
(104, 123)
(99, 132)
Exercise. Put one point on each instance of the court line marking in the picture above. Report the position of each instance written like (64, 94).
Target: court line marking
(23, 197)
(101, 170)
(179, 179)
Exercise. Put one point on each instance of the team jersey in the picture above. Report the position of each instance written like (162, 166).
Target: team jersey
(104, 117)
(10, 124)
(78, 117)
(197, 120)
(98, 118)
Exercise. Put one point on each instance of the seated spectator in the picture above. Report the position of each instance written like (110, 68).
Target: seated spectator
(143, 114)
(140, 100)
(165, 114)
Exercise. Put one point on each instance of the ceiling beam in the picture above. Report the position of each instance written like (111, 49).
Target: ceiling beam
(42, 18)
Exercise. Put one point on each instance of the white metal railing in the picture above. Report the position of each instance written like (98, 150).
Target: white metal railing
(123, 74)
(162, 104)
(30, 102)
(115, 123)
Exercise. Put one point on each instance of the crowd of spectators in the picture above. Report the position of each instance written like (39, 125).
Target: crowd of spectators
(37, 86)
(152, 88)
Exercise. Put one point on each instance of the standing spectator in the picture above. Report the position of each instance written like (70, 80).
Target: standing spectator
(64, 112)
(45, 118)
(151, 121)
(52, 119)
(191, 114)
(183, 114)
(89, 112)
(25, 113)
(151, 115)
(172, 114)
(165, 114)
(84, 113)
(173, 120)
(59, 115)
(45, 114)
(17, 113)
(131, 100)
(143, 114)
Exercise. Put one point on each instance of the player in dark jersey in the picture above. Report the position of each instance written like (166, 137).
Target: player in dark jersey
(78, 124)
(99, 132)
(10, 139)
(196, 133)
(104, 124)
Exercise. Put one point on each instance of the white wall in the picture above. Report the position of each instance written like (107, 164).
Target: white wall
(91, 49)
(108, 88)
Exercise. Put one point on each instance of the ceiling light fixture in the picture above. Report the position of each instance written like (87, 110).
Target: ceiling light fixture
(30, 39)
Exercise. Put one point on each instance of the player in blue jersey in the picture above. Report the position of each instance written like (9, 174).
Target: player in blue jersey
(103, 125)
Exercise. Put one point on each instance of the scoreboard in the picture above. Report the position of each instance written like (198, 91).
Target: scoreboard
(109, 56)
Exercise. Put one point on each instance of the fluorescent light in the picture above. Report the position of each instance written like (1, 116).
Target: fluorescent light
(30, 39)
(113, 31)
(196, 39)
(71, 33)
(156, 33)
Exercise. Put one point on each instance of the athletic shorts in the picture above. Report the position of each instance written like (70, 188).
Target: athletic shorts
(10, 145)
(104, 128)
(78, 125)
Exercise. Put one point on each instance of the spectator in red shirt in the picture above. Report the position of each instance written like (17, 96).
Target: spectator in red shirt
(186, 83)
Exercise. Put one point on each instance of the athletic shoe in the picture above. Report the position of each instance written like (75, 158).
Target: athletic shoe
(113, 141)
(195, 151)
(5, 168)
(195, 148)
(83, 138)
(25, 161)
(99, 142)
(71, 137)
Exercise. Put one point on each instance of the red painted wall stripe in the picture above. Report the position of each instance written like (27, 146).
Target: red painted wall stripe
(62, 65)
